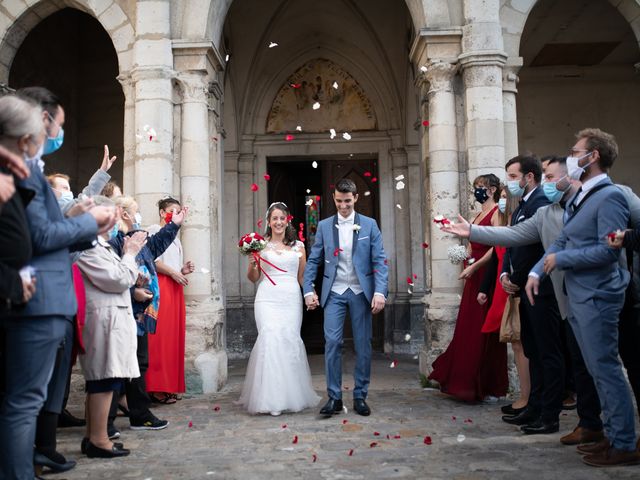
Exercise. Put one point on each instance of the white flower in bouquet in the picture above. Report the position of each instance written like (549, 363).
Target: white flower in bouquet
(457, 254)
(251, 243)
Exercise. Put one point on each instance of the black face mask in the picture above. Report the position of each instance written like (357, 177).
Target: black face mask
(481, 194)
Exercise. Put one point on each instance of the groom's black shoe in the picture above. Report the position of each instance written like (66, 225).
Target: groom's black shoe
(331, 408)
(361, 407)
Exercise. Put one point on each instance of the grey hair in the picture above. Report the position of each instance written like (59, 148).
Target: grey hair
(19, 117)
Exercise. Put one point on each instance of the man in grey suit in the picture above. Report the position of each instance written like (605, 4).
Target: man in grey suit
(595, 285)
(34, 333)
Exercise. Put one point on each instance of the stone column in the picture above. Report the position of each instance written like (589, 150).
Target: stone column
(481, 61)
(128, 174)
(509, 111)
(444, 199)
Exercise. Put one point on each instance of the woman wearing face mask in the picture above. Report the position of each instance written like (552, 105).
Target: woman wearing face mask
(458, 369)
(110, 333)
(145, 298)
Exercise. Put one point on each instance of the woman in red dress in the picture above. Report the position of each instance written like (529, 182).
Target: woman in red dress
(460, 369)
(165, 376)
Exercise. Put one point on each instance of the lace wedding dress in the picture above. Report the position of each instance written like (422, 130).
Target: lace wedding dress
(278, 377)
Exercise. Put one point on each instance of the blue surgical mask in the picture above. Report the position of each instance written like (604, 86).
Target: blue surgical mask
(137, 222)
(65, 199)
(113, 233)
(551, 191)
(53, 144)
(514, 188)
(502, 205)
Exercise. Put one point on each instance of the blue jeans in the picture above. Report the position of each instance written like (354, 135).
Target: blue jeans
(334, 313)
(595, 326)
(31, 344)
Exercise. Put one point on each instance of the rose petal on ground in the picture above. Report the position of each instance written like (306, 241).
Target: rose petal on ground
(273, 44)
(468, 420)
(289, 137)
(190, 424)
(346, 136)
(314, 458)
(316, 106)
(295, 439)
(453, 418)
(367, 193)
(216, 408)
(284, 425)
(344, 422)
(373, 444)
(461, 438)
(377, 434)
(397, 437)
(350, 453)
(254, 187)
(332, 133)
(425, 123)
(427, 440)
(425, 245)
(400, 186)
(399, 177)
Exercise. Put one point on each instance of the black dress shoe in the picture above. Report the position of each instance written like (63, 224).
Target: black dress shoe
(66, 420)
(509, 410)
(331, 408)
(361, 407)
(85, 442)
(540, 428)
(523, 418)
(114, 451)
(44, 461)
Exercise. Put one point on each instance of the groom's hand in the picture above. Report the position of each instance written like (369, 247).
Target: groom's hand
(377, 304)
(311, 301)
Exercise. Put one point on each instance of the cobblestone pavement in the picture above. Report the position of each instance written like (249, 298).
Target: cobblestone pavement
(211, 438)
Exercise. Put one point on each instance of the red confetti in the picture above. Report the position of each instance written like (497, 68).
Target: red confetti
(267, 177)
(215, 139)
(425, 245)
(394, 364)
(295, 85)
(612, 236)
(295, 439)
(289, 218)
(367, 174)
(425, 123)
(350, 453)
(415, 277)
(468, 420)
(284, 425)
(374, 179)
(190, 424)
(300, 233)
(254, 187)
(216, 408)
(337, 251)
(386, 261)
(150, 137)
(314, 457)
(388, 437)
(344, 422)
(317, 198)
(409, 281)
(373, 444)
(376, 434)
(453, 418)
(397, 437)
(427, 440)
(289, 137)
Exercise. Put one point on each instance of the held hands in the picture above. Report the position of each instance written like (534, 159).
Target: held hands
(106, 161)
(377, 304)
(482, 298)
(507, 286)
(462, 229)
(311, 301)
(133, 244)
(188, 268)
(531, 288)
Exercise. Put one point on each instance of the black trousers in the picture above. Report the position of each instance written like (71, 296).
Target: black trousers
(138, 399)
(629, 345)
(542, 345)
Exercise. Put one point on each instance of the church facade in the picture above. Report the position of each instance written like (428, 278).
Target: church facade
(230, 105)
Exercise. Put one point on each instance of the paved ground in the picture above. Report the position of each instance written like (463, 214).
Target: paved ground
(211, 438)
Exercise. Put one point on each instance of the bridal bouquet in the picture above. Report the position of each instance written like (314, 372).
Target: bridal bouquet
(252, 244)
(457, 254)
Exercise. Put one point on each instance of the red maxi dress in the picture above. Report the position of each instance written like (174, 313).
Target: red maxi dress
(472, 366)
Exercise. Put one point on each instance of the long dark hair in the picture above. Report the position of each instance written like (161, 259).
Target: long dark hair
(289, 232)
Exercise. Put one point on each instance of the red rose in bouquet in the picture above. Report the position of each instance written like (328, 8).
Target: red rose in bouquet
(252, 244)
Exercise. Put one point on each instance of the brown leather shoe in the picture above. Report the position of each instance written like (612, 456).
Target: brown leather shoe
(594, 448)
(582, 435)
(612, 457)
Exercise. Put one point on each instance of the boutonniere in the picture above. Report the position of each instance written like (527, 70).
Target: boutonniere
(356, 228)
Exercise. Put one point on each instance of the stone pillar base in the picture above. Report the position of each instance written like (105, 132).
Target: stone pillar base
(212, 367)
(441, 314)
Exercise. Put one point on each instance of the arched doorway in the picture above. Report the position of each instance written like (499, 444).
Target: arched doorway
(70, 53)
(353, 62)
(580, 70)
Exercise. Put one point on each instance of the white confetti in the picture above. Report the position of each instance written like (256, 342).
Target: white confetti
(407, 337)
(346, 136)
(273, 44)
(335, 85)
(367, 193)
(415, 357)
(400, 185)
(423, 68)
(333, 133)
(308, 191)
(393, 364)
(399, 177)
(146, 128)
(152, 132)
(204, 270)
(398, 206)
(211, 473)
(138, 135)
(314, 164)
(461, 438)
(226, 58)
(316, 106)
(309, 202)
(299, 128)
(344, 409)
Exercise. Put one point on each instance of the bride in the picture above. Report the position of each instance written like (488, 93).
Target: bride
(278, 377)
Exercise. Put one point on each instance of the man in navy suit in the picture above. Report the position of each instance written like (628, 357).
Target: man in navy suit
(540, 323)
(349, 246)
(595, 284)
(34, 334)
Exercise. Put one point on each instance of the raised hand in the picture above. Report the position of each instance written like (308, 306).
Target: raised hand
(106, 161)
(462, 229)
(14, 163)
(179, 217)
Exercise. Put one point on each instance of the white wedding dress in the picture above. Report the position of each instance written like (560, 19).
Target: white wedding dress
(278, 377)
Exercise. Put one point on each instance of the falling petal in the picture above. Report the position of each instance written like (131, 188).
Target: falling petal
(259, 223)
(335, 85)
(350, 453)
(289, 218)
(190, 424)
(415, 277)
(367, 193)
(374, 179)
(425, 245)
(314, 164)
(398, 206)
(289, 137)
(400, 185)
(267, 177)
(409, 281)
(425, 123)
(314, 458)
(254, 187)
(407, 337)
(295, 85)
(204, 270)
(273, 44)
(427, 440)
(344, 422)
(295, 439)
(461, 438)
(423, 69)
(299, 128)
(366, 174)
(468, 420)
(346, 136)
(216, 408)
(308, 191)
(396, 437)
(226, 58)
(332, 133)
(317, 198)
(373, 444)
(399, 177)
(388, 437)
(376, 434)
(316, 106)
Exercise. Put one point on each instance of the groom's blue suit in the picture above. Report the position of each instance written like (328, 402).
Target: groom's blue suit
(369, 273)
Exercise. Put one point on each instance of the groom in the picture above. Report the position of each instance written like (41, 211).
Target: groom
(349, 246)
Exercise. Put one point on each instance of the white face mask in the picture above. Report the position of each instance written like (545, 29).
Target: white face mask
(574, 170)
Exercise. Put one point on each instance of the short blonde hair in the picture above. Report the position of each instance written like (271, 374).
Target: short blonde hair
(51, 178)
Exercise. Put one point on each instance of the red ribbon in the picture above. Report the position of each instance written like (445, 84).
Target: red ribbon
(259, 259)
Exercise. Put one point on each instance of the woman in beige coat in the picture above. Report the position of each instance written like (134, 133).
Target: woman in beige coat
(109, 334)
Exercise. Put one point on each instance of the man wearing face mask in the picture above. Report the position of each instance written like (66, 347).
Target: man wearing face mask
(540, 323)
(595, 284)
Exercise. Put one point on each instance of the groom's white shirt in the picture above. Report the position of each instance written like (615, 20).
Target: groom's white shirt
(345, 274)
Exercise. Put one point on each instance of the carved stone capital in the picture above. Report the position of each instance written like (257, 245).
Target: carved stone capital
(193, 86)
(510, 79)
(440, 76)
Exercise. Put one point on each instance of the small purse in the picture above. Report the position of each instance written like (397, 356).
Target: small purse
(510, 325)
